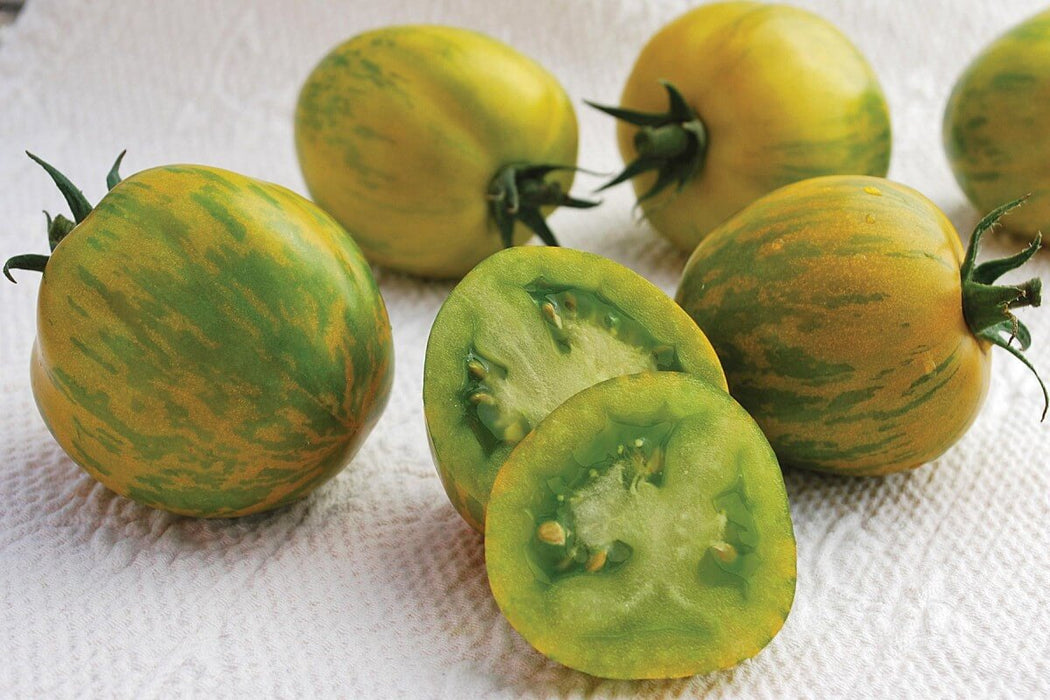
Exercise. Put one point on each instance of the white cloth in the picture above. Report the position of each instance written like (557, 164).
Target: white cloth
(932, 583)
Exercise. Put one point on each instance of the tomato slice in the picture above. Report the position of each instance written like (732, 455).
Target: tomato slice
(526, 329)
(642, 530)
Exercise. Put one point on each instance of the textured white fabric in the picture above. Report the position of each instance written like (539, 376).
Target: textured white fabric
(932, 583)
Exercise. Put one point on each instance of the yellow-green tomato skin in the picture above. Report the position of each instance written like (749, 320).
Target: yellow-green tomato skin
(209, 344)
(996, 132)
(783, 96)
(400, 131)
(835, 306)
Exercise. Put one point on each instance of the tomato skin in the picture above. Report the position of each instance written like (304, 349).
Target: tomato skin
(995, 130)
(401, 130)
(835, 305)
(209, 344)
(783, 96)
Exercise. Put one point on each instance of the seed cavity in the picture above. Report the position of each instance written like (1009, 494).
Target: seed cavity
(569, 313)
(492, 423)
(593, 339)
(664, 355)
(607, 473)
(618, 552)
(732, 560)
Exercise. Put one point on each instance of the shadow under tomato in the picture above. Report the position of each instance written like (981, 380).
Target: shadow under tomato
(92, 508)
(811, 491)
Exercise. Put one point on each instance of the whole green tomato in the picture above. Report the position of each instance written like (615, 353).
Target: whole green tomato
(851, 322)
(996, 131)
(435, 146)
(759, 96)
(207, 343)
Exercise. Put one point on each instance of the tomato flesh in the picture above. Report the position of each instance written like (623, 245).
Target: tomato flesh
(642, 531)
(525, 330)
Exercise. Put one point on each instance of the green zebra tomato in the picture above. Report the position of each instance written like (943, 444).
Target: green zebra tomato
(525, 330)
(435, 146)
(852, 324)
(761, 95)
(642, 530)
(996, 132)
(207, 343)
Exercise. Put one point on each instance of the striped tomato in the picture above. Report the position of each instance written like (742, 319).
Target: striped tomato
(760, 95)
(850, 322)
(995, 127)
(435, 146)
(206, 343)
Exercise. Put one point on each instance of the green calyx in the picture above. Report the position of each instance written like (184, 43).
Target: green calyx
(986, 305)
(59, 227)
(673, 143)
(518, 192)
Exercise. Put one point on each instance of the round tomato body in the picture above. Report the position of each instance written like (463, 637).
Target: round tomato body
(403, 133)
(642, 530)
(526, 329)
(850, 322)
(776, 94)
(209, 344)
(995, 130)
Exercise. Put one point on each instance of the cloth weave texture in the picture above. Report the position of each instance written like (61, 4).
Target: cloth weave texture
(932, 583)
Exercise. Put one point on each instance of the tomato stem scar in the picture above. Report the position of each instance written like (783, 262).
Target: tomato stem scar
(519, 192)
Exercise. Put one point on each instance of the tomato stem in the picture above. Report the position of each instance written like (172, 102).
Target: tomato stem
(29, 261)
(673, 143)
(986, 306)
(518, 192)
(60, 227)
(113, 177)
(57, 229)
(78, 203)
(667, 141)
